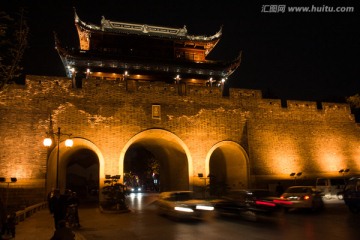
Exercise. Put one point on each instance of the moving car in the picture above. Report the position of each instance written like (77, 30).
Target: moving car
(135, 189)
(351, 194)
(330, 187)
(301, 197)
(182, 205)
(247, 203)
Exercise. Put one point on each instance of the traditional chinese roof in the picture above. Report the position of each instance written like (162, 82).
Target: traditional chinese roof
(118, 48)
(174, 34)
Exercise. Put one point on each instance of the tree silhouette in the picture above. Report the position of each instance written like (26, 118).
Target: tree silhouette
(14, 33)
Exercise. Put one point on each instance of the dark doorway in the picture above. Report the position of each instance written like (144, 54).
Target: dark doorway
(82, 175)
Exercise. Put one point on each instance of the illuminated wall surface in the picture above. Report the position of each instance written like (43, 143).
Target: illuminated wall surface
(243, 139)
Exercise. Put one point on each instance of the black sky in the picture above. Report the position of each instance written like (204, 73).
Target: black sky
(301, 56)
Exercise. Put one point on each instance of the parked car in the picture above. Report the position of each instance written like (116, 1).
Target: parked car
(247, 203)
(301, 197)
(182, 205)
(351, 194)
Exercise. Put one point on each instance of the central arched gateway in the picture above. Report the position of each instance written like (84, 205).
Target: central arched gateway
(175, 161)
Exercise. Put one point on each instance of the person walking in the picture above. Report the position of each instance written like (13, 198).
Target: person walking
(58, 207)
(73, 209)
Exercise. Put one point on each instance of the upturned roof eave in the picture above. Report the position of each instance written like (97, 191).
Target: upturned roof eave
(181, 32)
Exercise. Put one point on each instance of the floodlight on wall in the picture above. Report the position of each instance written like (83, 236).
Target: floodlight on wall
(292, 174)
(200, 175)
(117, 176)
(13, 179)
(107, 176)
(299, 174)
(2, 179)
(344, 170)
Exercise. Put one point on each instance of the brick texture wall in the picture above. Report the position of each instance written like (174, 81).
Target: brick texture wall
(278, 140)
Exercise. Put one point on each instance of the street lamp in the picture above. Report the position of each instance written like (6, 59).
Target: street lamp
(343, 172)
(68, 143)
(5, 180)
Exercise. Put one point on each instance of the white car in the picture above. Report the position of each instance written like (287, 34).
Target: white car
(306, 197)
(182, 205)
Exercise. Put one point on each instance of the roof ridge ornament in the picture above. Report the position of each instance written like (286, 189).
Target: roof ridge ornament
(206, 38)
(105, 23)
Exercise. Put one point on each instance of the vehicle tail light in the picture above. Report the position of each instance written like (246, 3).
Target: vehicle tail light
(306, 197)
(270, 204)
(282, 201)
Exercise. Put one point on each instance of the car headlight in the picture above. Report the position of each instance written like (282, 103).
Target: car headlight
(204, 207)
(183, 209)
(139, 189)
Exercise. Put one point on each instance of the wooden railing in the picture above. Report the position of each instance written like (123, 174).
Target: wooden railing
(21, 215)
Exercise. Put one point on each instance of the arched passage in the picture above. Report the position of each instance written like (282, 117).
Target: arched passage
(173, 156)
(228, 166)
(77, 154)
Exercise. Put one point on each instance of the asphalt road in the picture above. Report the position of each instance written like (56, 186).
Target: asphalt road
(143, 222)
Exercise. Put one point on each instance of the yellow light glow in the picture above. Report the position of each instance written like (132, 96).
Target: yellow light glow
(69, 142)
(47, 142)
(284, 158)
(330, 154)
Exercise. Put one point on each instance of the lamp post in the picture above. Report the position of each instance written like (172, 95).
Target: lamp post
(4, 180)
(68, 143)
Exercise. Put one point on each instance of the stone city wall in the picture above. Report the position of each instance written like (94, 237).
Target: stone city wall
(278, 140)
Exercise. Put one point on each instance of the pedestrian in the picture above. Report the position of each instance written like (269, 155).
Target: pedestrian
(63, 232)
(2, 219)
(279, 189)
(49, 197)
(58, 207)
(73, 208)
(9, 227)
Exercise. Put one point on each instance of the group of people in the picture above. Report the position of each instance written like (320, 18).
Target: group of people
(63, 207)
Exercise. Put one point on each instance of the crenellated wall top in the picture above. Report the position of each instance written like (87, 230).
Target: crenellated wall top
(247, 98)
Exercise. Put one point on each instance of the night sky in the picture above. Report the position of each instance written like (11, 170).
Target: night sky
(298, 56)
